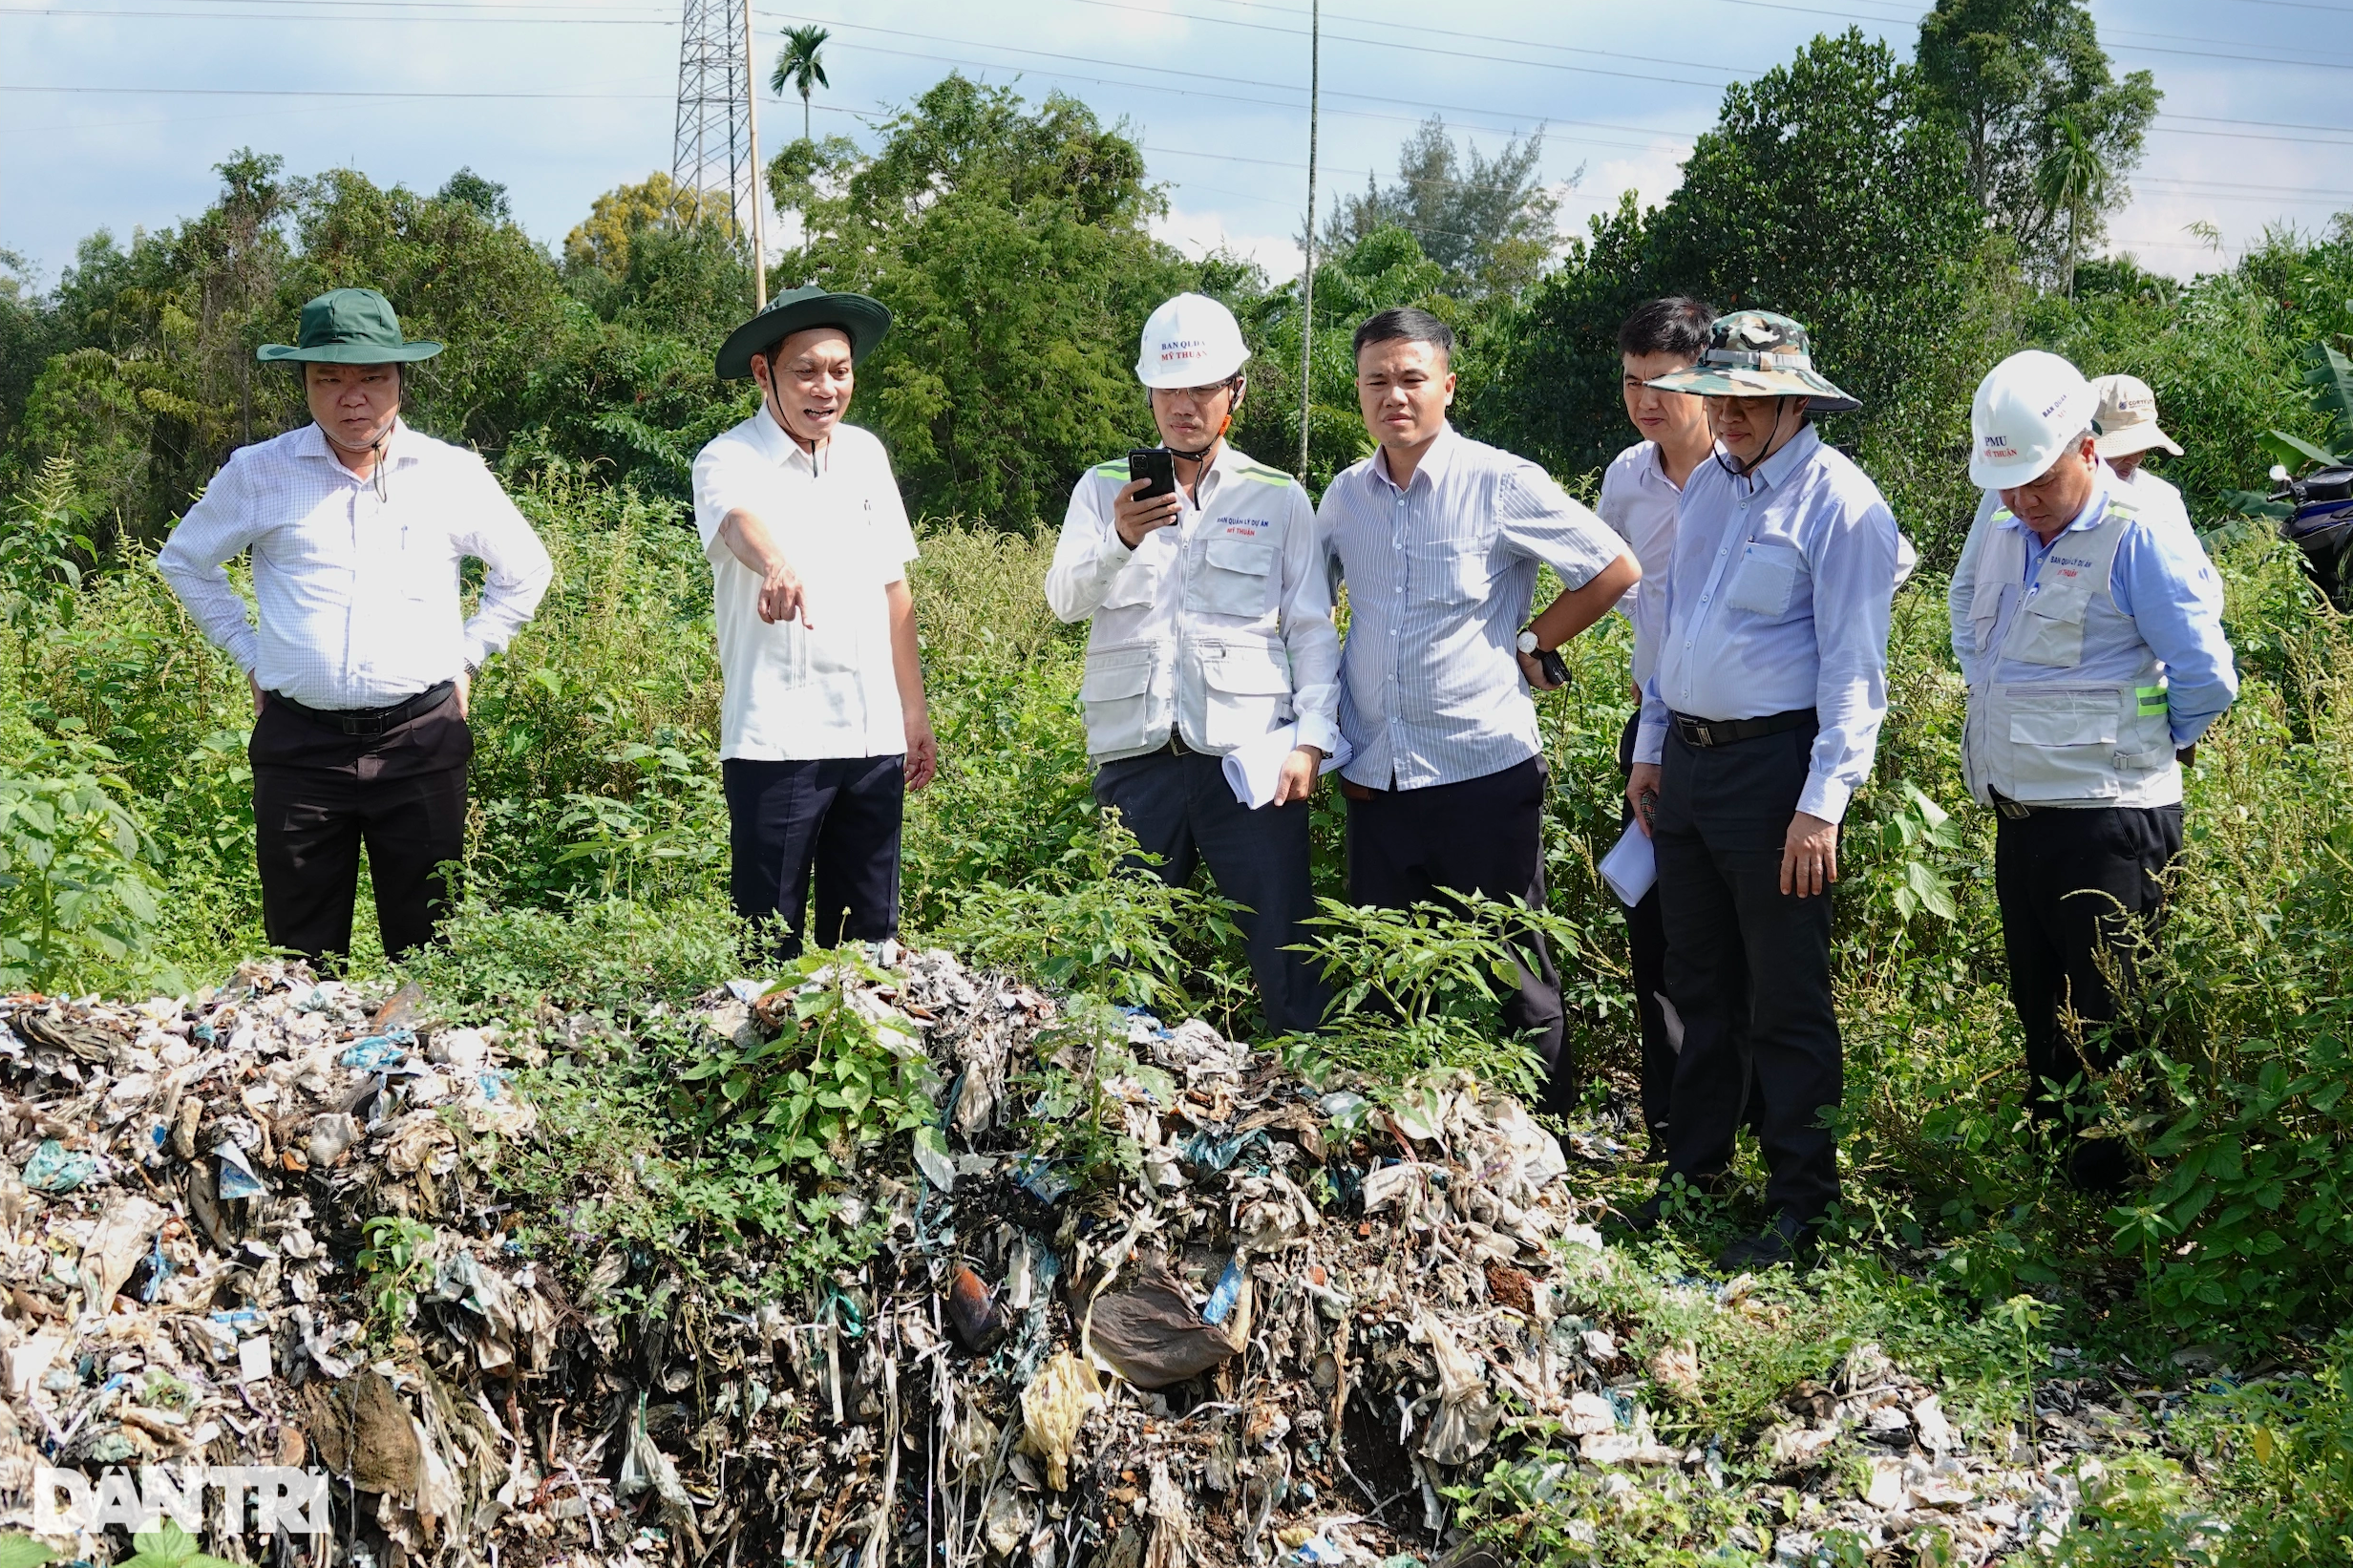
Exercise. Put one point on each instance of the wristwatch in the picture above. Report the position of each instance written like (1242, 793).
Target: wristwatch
(1555, 669)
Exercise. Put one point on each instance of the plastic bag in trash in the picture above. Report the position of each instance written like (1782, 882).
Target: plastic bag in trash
(1152, 1333)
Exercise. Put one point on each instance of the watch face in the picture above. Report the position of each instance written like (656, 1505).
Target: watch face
(1527, 642)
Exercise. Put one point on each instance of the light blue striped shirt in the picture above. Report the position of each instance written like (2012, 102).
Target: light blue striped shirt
(1440, 575)
(1778, 599)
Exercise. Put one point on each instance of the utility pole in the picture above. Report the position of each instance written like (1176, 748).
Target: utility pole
(752, 134)
(708, 148)
(1306, 286)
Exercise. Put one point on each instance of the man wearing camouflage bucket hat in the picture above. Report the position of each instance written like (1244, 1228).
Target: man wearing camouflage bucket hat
(363, 660)
(1759, 721)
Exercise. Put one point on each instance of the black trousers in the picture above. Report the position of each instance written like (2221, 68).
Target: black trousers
(2076, 884)
(320, 795)
(1646, 953)
(838, 818)
(1182, 809)
(1482, 835)
(1747, 967)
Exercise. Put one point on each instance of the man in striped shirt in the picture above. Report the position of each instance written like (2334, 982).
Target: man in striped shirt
(1439, 539)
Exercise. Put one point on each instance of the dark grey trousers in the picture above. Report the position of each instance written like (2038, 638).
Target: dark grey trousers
(1182, 809)
(1748, 967)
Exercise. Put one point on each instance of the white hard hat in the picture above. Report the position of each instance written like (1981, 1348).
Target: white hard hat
(1192, 341)
(2030, 409)
(2127, 417)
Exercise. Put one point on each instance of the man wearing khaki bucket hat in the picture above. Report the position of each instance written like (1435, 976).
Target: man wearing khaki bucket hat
(362, 661)
(2125, 428)
(1759, 721)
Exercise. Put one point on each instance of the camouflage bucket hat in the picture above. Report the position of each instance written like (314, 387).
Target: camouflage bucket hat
(1755, 353)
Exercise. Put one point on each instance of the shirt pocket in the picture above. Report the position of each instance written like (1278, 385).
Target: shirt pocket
(2049, 630)
(1448, 572)
(1766, 578)
(1233, 578)
(1115, 696)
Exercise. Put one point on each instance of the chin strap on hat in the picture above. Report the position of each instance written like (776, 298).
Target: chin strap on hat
(1240, 386)
(1739, 470)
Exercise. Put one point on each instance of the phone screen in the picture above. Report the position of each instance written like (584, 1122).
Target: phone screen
(1155, 464)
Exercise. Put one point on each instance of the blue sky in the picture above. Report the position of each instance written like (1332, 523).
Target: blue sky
(114, 112)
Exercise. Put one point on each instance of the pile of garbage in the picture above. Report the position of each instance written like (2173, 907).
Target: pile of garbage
(257, 1229)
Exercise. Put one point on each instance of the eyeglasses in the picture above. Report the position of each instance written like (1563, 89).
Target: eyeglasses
(1199, 395)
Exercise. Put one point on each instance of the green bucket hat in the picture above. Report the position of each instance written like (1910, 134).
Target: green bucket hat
(1755, 353)
(349, 327)
(864, 320)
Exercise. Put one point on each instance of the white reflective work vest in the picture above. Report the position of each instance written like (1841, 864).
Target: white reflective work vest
(2068, 708)
(1218, 626)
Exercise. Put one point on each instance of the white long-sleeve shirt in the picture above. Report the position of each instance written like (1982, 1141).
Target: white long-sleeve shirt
(1219, 625)
(1638, 502)
(357, 593)
(1779, 599)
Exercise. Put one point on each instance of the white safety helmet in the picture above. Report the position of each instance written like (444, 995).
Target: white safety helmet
(2028, 411)
(1192, 341)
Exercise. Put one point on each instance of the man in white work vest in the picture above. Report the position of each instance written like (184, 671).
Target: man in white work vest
(1213, 638)
(2091, 641)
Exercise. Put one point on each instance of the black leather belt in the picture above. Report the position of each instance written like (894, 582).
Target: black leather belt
(370, 721)
(1175, 746)
(2017, 811)
(1728, 732)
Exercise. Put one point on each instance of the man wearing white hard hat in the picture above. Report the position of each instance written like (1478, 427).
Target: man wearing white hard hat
(2091, 641)
(1212, 639)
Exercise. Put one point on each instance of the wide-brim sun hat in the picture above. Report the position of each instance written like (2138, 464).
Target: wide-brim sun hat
(1756, 354)
(2126, 421)
(347, 327)
(863, 321)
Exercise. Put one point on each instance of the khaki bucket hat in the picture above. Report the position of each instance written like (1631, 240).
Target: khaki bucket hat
(2126, 420)
(1756, 354)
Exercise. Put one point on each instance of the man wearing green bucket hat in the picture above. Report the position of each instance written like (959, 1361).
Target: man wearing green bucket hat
(822, 723)
(1759, 719)
(362, 661)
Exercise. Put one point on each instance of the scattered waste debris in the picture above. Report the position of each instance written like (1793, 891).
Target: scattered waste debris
(1278, 1334)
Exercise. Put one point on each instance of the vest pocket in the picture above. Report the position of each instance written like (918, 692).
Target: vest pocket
(1249, 692)
(1766, 580)
(2050, 628)
(1115, 696)
(1233, 577)
(2063, 743)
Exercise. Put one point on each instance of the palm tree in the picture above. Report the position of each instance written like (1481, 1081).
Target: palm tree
(798, 68)
(2073, 179)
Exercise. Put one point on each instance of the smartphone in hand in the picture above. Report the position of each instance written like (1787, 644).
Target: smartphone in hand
(1156, 465)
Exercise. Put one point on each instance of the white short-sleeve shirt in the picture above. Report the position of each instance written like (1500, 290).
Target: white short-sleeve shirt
(798, 691)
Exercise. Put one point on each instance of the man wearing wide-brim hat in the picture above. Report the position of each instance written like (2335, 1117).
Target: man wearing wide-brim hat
(1759, 720)
(362, 661)
(823, 726)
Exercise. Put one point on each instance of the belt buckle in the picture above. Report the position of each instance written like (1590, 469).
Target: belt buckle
(2014, 811)
(1703, 735)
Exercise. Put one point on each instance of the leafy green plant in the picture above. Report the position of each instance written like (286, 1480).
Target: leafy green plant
(41, 541)
(395, 1263)
(670, 828)
(1104, 925)
(1415, 991)
(74, 885)
(829, 1080)
(1075, 1121)
(21, 1550)
(169, 1546)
